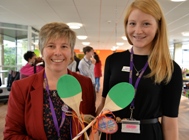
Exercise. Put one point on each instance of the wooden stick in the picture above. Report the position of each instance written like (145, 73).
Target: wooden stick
(85, 129)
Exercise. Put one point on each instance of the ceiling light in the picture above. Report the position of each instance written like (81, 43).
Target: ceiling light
(86, 43)
(178, 0)
(82, 37)
(74, 25)
(124, 37)
(114, 48)
(185, 33)
(119, 43)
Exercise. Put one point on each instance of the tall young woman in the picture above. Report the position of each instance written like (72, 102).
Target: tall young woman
(149, 68)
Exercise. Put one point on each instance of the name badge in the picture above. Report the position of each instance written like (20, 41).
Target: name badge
(130, 126)
(126, 69)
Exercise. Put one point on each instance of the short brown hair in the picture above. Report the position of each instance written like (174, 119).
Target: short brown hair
(87, 49)
(56, 30)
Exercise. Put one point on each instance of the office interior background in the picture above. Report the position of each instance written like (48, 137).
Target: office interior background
(99, 24)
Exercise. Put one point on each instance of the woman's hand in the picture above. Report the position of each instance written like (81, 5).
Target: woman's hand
(93, 60)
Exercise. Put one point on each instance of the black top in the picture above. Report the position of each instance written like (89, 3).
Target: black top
(151, 100)
(77, 63)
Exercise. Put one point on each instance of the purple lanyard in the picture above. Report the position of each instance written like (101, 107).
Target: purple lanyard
(52, 109)
(137, 81)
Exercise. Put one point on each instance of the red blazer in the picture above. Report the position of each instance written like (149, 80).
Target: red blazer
(24, 119)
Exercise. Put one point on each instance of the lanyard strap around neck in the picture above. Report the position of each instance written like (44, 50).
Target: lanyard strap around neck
(52, 109)
(87, 61)
(131, 74)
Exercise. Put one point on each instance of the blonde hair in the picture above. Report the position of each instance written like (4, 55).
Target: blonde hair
(56, 30)
(159, 60)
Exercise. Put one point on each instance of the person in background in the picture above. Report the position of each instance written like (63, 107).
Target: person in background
(77, 62)
(1, 91)
(72, 64)
(35, 110)
(87, 63)
(148, 66)
(97, 72)
(31, 67)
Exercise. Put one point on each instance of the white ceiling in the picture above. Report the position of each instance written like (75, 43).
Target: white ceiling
(102, 19)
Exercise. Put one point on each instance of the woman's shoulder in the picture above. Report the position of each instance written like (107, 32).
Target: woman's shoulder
(80, 78)
(177, 68)
(175, 64)
(122, 53)
(118, 56)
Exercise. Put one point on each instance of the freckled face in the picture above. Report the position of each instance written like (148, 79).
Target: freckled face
(141, 29)
(57, 54)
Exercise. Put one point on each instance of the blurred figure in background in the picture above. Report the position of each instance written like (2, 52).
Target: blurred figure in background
(72, 64)
(86, 65)
(32, 65)
(97, 72)
(77, 62)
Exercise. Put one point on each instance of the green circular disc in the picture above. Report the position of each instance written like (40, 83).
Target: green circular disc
(68, 86)
(122, 94)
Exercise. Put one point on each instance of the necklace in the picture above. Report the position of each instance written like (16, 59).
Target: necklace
(137, 71)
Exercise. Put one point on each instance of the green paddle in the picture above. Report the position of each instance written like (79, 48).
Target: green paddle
(119, 97)
(69, 91)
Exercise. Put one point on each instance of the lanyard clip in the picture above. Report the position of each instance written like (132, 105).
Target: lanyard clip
(131, 108)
